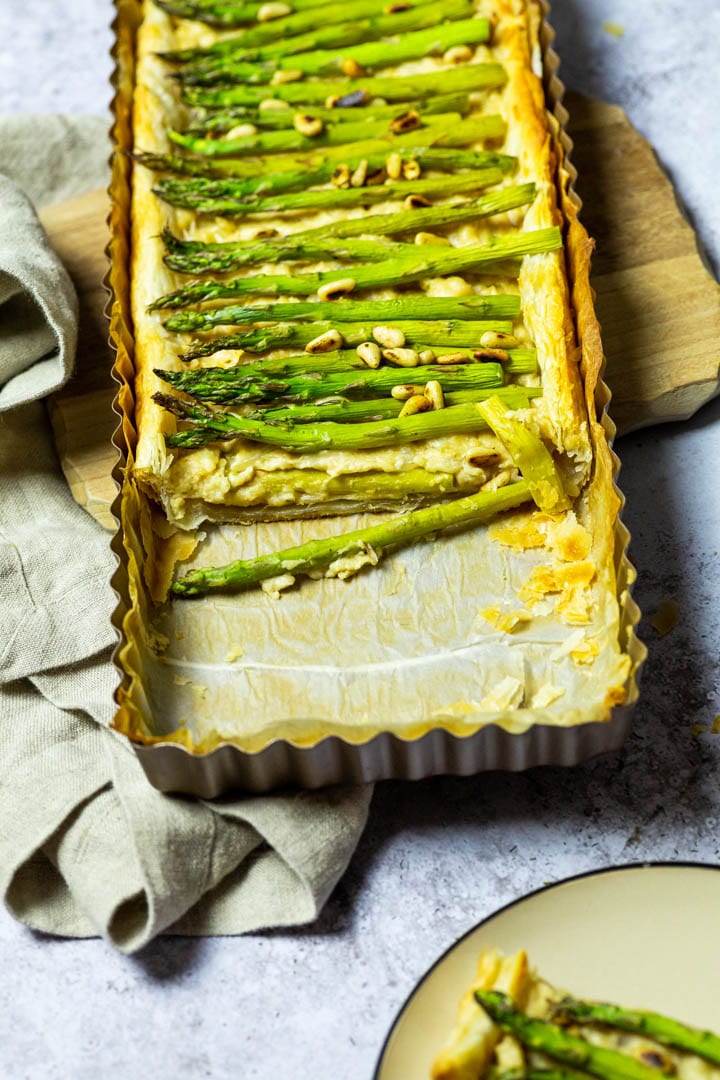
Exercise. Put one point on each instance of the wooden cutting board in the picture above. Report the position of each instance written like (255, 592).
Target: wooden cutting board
(663, 357)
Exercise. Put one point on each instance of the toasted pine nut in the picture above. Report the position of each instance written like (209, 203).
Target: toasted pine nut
(326, 342)
(392, 8)
(494, 340)
(266, 234)
(273, 104)
(453, 358)
(240, 131)
(341, 176)
(411, 169)
(431, 238)
(331, 102)
(288, 75)
(389, 336)
(426, 356)
(273, 11)
(416, 404)
(359, 176)
(492, 354)
(434, 394)
(307, 125)
(331, 290)
(369, 353)
(458, 54)
(403, 391)
(407, 122)
(401, 357)
(393, 166)
(351, 68)
(414, 202)
(376, 177)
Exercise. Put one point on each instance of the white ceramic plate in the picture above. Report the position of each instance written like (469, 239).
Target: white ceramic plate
(645, 936)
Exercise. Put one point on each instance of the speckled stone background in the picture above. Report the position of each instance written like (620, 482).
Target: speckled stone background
(439, 855)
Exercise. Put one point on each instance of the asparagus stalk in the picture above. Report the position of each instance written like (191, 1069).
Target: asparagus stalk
(529, 453)
(214, 427)
(289, 139)
(416, 263)
(223, 14)
(228, 15)
(447, 333)
(379, 312)
(311, 438)
(217, 123)
(347, 361)
(225, 386)
(197, 257)
(318, 555)
(559, 1044)
(391, 87)
(262, 176)
(284, 27)
(655, 1026)
(205, 71)
(414, 45)
(336, 142)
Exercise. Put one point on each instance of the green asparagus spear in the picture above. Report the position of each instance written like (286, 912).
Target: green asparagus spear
(289, 139)
(262, 176)
(224, 14)
(655, 1026)
(216, 123)
(529, 453)
(413, 45)
(318, 555)
(378, 312)
(336, 143)
(391, 87)
(192, 256)
(559, 1044)
(205, 72)
(448, 334)
(416, 263)
(286, 26)
(211, 425)
(224, 386)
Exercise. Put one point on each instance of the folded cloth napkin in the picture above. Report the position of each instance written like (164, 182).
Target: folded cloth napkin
(87, 846)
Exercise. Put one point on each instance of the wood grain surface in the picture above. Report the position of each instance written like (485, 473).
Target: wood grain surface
(658, 304)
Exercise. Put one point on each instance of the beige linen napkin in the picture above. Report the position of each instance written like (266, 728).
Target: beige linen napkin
(87, 847)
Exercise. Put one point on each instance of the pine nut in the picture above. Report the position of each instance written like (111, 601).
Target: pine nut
(369, 353)
(414, 202)
(401, 357)
(327, 342)
(453, 358)
(351, 68)
(496, 340)
(359, 176)
(394, 166)
(411, 169)
(331, 290)
(389, 336)
(241, 131)
(288, 75)
(341, 176)
(273, 104)
(426, 356)
(403, 391)
(458, 54)
(416, 404)
(307, 125)
(407, 122)
(492, 354)
(434, 394)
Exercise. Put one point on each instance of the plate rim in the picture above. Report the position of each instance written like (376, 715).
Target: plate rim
(645, 864)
